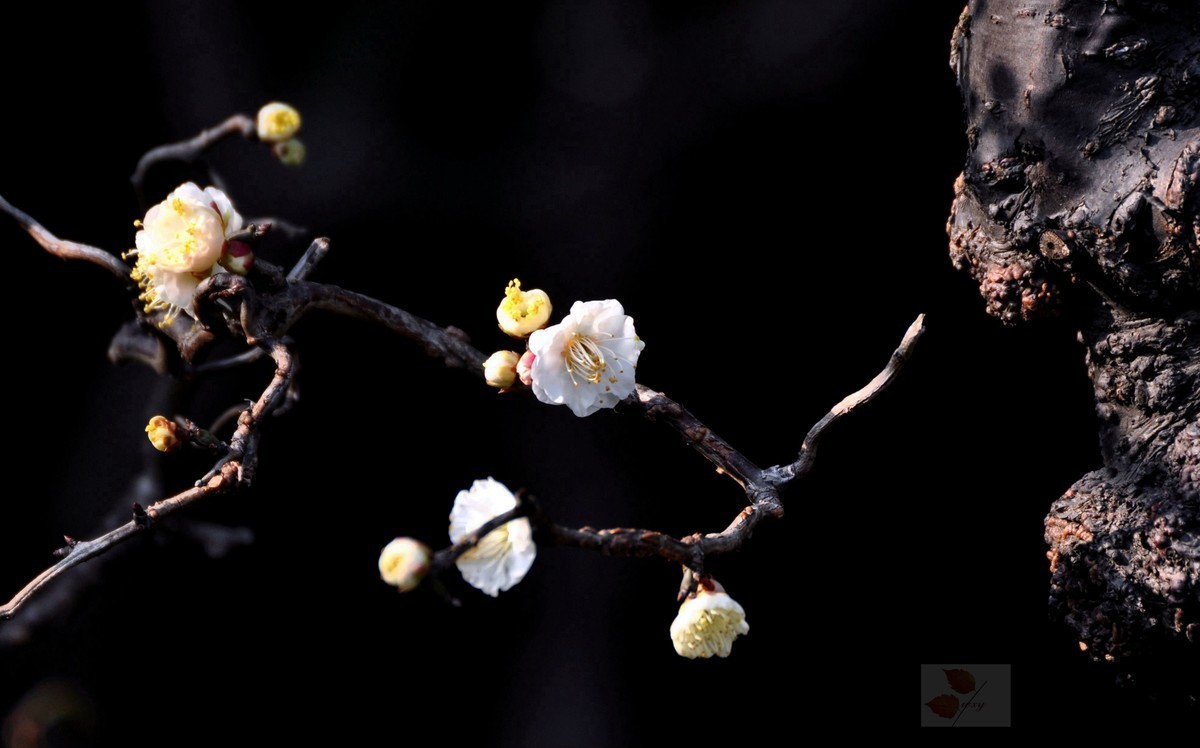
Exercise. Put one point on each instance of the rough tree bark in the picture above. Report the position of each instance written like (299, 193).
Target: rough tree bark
(1081, 196)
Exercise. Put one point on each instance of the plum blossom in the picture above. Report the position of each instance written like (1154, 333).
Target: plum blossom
(504, 555)
(180, 243)
(707, 624)
(586, 362)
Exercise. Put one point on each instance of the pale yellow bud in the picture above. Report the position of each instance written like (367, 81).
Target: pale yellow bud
(500, 370)
(522, 312)
(707, 624)
(290, 152)
(163, 434)
(277, 122)
(404, 563)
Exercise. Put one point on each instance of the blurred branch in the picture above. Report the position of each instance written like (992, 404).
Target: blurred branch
(65, 249)
(192, 148)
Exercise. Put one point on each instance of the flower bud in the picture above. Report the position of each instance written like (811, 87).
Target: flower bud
(290, 152)
(522, 312)
(708, 622)
(500, 370)
(525, 368)
(238, 257)
(403, 563)
(277, 122)
(163, 434)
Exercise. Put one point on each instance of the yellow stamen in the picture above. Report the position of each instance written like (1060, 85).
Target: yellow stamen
(585, 358)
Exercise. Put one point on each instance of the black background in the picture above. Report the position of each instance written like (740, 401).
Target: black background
(764, 185)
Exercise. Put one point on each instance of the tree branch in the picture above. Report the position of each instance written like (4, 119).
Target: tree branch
(192, 148)
(65, 249)
(761, 486)
(900, 356)
(232, 471)
(261, 308)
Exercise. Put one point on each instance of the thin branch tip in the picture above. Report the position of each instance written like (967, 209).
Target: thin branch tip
(66, 250)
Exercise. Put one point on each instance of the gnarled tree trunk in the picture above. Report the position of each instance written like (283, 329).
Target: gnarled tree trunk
(1081, 196)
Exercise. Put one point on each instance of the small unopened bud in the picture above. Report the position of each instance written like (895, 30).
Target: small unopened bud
(404, 563)
(277, 122)
(500, 370)
(290, 152)
(163, 434)
(238, 257)
(522, 312)
(525, 368)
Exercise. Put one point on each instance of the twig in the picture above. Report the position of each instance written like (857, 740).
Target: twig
(447, 556)
(232, 471)
(65, 249)
(449, 344)
(808, 451)
(282, 226)
(761, 486)
(88, 549)
(308, 261)
(229, 362)
(192, 148)
(301, 270)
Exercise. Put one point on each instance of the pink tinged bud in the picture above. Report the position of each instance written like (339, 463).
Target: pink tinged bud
(238, 257)
(525, 368)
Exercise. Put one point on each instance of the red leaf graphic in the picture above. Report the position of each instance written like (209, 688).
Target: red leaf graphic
(944, 705)
(960, 680)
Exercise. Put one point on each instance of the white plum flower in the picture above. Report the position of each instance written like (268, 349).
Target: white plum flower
(404, 562)
(180, 243)
(707, 624)
(504, 555)
(587, 361)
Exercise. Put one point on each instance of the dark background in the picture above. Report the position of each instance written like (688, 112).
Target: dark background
(764, 185)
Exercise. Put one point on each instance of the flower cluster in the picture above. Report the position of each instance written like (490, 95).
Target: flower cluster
(586, 362)
(181, 242)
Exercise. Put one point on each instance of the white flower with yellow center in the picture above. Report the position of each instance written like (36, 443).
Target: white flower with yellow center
(587, 361)
(707, 624)
(504, 555)
(179, 244)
